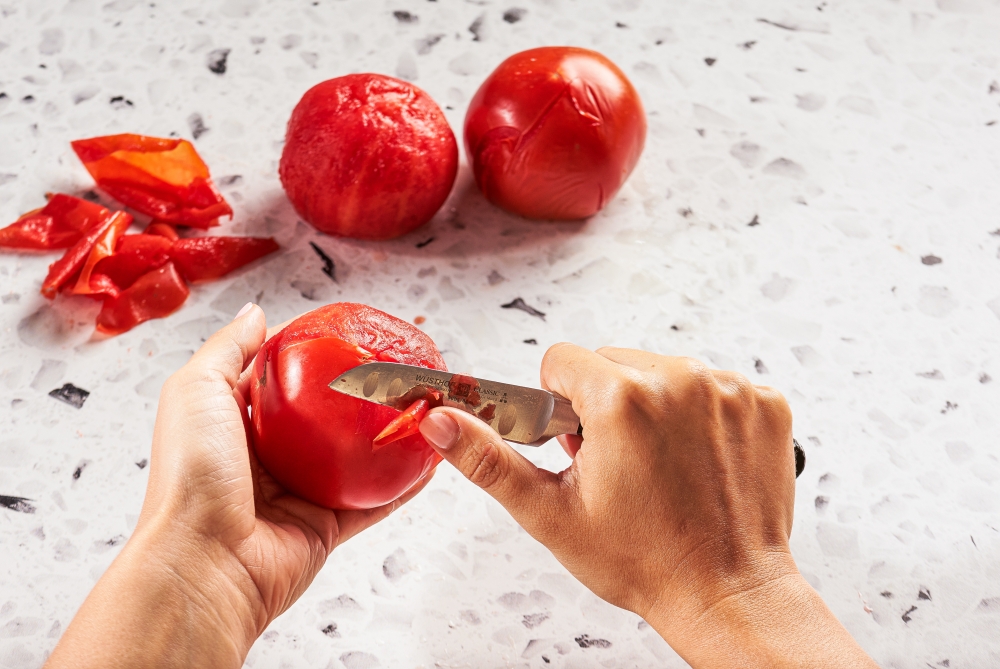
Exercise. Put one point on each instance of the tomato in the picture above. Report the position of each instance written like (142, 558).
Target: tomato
(367, 156)
(318, 443)
(554, 132)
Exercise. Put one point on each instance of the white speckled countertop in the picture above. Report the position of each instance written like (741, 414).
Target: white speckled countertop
(818, 207)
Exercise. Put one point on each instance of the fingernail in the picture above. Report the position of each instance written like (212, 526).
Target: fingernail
(246, 308)
(439, 429)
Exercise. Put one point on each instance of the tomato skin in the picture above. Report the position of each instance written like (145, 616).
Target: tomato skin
(554, 132)
(367, 156)
(317, 442)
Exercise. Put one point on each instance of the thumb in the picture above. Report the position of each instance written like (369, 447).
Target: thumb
(536, 498)
(231, 349)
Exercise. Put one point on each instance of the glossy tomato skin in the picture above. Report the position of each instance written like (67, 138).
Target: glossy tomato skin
(368, 156)
(554, 132)
(317, 442)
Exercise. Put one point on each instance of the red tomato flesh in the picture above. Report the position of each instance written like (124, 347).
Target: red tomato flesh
(368, 156)
(554, 132)
(318, 443)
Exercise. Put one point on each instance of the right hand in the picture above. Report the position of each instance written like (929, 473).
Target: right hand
(677, 505)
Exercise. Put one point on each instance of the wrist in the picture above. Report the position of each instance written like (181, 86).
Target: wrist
(770, 617)
(213, 583)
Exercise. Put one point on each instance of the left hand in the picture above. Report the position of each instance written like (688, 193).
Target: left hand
(233, 548)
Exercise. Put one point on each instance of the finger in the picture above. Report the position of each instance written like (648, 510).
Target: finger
(353, 522)
(230, 350)
(243, 385)
(537, 499)
(575, 373)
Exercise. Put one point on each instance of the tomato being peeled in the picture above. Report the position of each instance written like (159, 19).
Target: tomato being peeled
(554, 132)
(318, 443)
(367, 156)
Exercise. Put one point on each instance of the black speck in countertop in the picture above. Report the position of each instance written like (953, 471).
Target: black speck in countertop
(584, 641)
(216, 60)
(71, 395)
(989, 123)
(995, 233)
(424, 243)
(700, 131)
(532, 341)
(925, 593)
(886, 594)
(930, 260)
(757, 98)
(495, 277)
(675, 328)
(328, 267)
(686, 212)
(3, 96)
(746, 46)
(120, 102)
(619, 24)
(906, 616)
(196, 124)
(79, 469)
(821, 502)
(710, 61)
(934, 374)
(532, 620)
(514, 14)
(231, 179)
(476, 28)
(142, 463)
(985, 378)
(949, 406)
(331, 631)
(19, 504)
(404, 16)
(994, 87)
(425, 44)
(759, 365)
(519, 303)
(28, 99)
(779, 24)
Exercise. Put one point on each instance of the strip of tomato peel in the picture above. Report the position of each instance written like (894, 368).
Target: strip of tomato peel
(404, 425)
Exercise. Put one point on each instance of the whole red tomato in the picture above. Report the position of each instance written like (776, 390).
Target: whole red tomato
(554, 132)
(367, 156)
(317, 442)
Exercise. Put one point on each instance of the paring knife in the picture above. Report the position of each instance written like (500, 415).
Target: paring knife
(522, 415)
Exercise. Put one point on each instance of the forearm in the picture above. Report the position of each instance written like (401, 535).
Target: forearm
(782, 623)
(162, 603)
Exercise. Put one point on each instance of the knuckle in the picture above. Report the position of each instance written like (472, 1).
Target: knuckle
(697, 378)
(737, 391)
(484, 466)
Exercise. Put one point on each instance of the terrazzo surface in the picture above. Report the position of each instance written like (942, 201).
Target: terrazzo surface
(818, 207)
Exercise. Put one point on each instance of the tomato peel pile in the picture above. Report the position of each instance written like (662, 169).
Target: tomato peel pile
(139, 276)
(320, 444)
(58, 225)
(368, 156)
(554, 132)
(162, 178)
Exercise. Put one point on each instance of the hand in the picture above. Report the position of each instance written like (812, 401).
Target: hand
(220, 548)
(677, 506)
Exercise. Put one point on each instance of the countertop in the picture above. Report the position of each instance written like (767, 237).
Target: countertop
(817, 207)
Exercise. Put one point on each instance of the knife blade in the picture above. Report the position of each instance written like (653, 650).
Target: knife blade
(522, 415)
